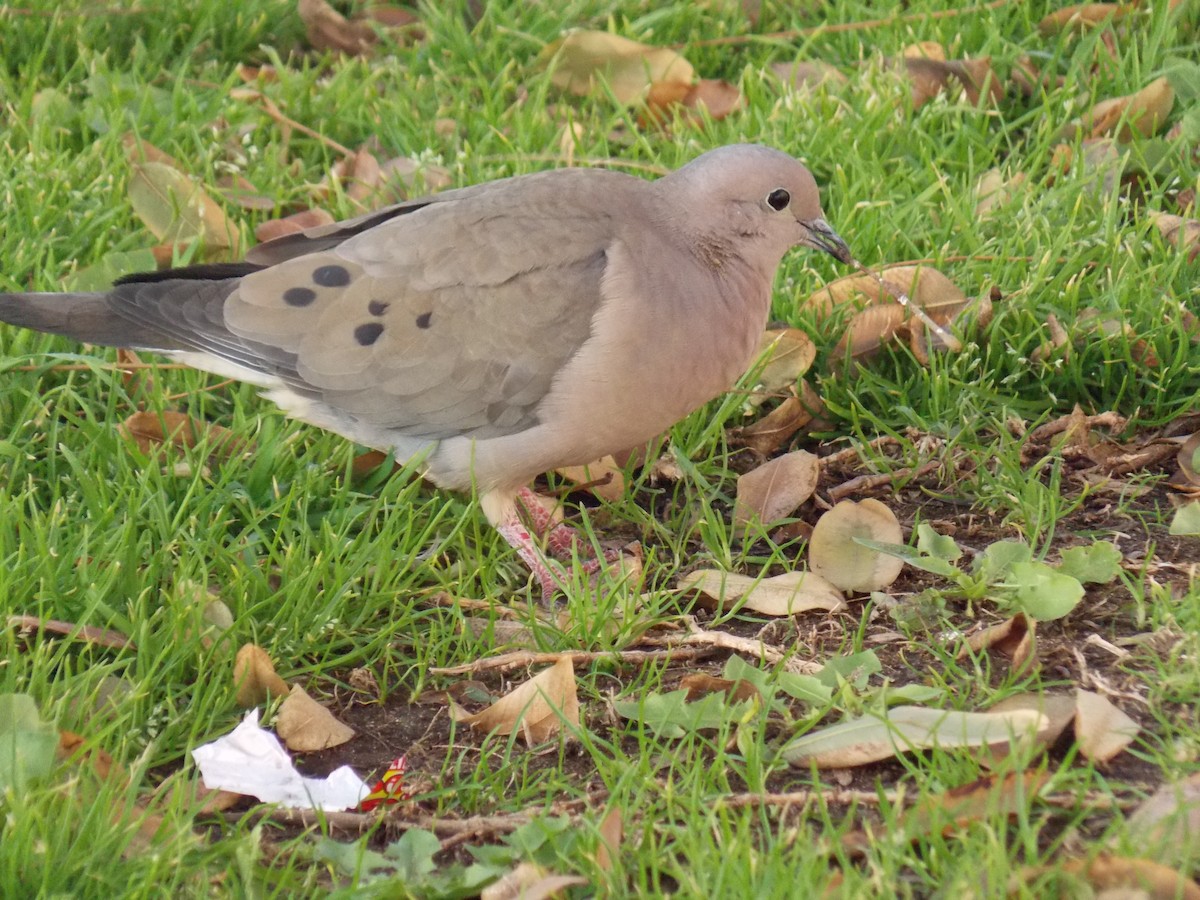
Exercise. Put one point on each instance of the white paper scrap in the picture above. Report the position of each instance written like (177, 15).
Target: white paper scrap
(250, 760)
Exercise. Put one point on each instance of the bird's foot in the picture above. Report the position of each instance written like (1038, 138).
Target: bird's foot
(561, 541)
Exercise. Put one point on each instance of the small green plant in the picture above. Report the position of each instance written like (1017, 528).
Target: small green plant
(1007, 574)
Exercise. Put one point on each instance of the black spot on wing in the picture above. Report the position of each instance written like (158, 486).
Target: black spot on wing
(377, 307)
(368, 333)
(331, 276)
(299, 296)
(424, 320)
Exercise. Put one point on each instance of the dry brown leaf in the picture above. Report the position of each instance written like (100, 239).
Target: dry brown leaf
(930, 76)
(1101, 729)
(1057, 340)
(538, 708)
(582, 61)
(612, 830)
(1140, 114)
(604, 478)
(1058, 709)
(980, 800)
(139, 150)
(1184, 233)
(782, 595)
(101, 637)
(327, 29)
(406, 176)
(1015, 638)
(707, 98)
(1031, 80)
(870, 329)
(773, 490)
(880, 318)
(776, 428)
(701, 684)
(529, 881)
(834, 554)
(807, 75)
(254, 677)
(293, 224)
(74, 748)
(1124, 878)
(784, 354)
(1080, 17)
(995, 190)
(306, 726)
(152, 429)
(1092, 322)
(1187, 456)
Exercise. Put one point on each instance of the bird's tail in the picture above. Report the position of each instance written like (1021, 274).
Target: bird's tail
(88, 318)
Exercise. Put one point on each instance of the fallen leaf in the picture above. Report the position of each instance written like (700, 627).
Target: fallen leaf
(1183, 233)
(980, 800)
(583, 60)
(254, 677)
(784, 354)
(930, 77)
(878, 736)
(293, 224)
(707, 98)
(773, 490)
(776, 428)
(1057, 708)
(1140, 114)
(529, 881)
(700, 684)
(782, 595)
(1080, 17)
(1123, 878)
(994, 190)
(834, 554)
(538, 708)
(1101, 729)
(604, 478)
(176, 210)
(102, 637)
(808, 75)
(1188, 456)
(151, 429)
(1015, 638)
(327, 29)
(306, 726)
(611, 831)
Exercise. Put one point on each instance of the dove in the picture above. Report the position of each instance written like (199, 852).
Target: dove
(492, 332)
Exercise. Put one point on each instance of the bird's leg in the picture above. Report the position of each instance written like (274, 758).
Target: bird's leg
(513, 530)
(560, 539)
(563, 541)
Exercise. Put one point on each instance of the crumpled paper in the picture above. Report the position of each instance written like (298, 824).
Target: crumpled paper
(250, 760)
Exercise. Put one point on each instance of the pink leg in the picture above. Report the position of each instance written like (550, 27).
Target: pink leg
(560, 539)
(562, 542)
(519, 539)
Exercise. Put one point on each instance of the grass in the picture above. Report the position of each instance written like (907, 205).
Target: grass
(329, 573)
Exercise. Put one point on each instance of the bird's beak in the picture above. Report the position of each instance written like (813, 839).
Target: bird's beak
(822, 237)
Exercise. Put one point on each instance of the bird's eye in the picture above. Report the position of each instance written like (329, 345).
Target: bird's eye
(778, 199)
